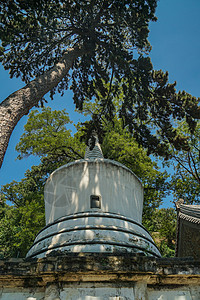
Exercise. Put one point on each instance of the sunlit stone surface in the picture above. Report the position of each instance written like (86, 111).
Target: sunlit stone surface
(69, 188)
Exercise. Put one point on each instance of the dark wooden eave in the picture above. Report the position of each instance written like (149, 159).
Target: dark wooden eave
(188, 230)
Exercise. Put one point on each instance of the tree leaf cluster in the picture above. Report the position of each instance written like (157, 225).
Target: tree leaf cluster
(22, 214)
(44, 133)
(35, 36)
(185, 181)
(162, 226)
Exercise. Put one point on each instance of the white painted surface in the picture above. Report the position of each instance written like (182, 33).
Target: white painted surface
(52, 293)
(97, 294)
(19, 294)
(184, 293)
(69, 188)
(138, 291)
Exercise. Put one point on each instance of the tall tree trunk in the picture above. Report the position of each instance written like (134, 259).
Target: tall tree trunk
(18, 104)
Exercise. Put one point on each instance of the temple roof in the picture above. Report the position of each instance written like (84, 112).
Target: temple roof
(188, 230)
(191, 213)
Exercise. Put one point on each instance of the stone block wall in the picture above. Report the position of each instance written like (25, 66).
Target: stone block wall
(100, 277)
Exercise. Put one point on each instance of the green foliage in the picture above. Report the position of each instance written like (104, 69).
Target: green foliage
(185, 181)
(162, 226)
(21, 221)
(8, 232)
(48, 127)
(46, 135)
(184, 186)
(109, 30)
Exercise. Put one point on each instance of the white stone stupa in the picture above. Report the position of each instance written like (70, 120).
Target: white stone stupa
(93, 205)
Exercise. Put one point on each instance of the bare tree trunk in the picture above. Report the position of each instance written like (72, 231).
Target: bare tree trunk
(18, 104)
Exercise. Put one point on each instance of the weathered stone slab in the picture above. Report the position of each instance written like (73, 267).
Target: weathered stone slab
(99, 267)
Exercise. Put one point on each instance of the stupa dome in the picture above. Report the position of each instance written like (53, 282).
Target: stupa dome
(93, 205)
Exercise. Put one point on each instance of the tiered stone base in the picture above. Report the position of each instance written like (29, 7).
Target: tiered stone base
(93, 232)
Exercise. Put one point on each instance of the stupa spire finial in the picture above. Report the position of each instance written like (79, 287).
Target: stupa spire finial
(93, 149)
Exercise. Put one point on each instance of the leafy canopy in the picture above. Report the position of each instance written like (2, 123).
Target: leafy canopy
(21, 221)
(35, 34)
(162, 225)
(113, 33)
(186, 178)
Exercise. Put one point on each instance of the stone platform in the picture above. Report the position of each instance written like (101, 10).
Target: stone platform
(99, 276)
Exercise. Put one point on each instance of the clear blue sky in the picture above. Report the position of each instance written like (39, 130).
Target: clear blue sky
(175, 40)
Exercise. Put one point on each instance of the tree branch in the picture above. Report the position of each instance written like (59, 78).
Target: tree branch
(18, 104)
(194, 167)
(189, 170)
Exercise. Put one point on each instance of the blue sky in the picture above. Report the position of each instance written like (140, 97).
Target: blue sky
(175, 40)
